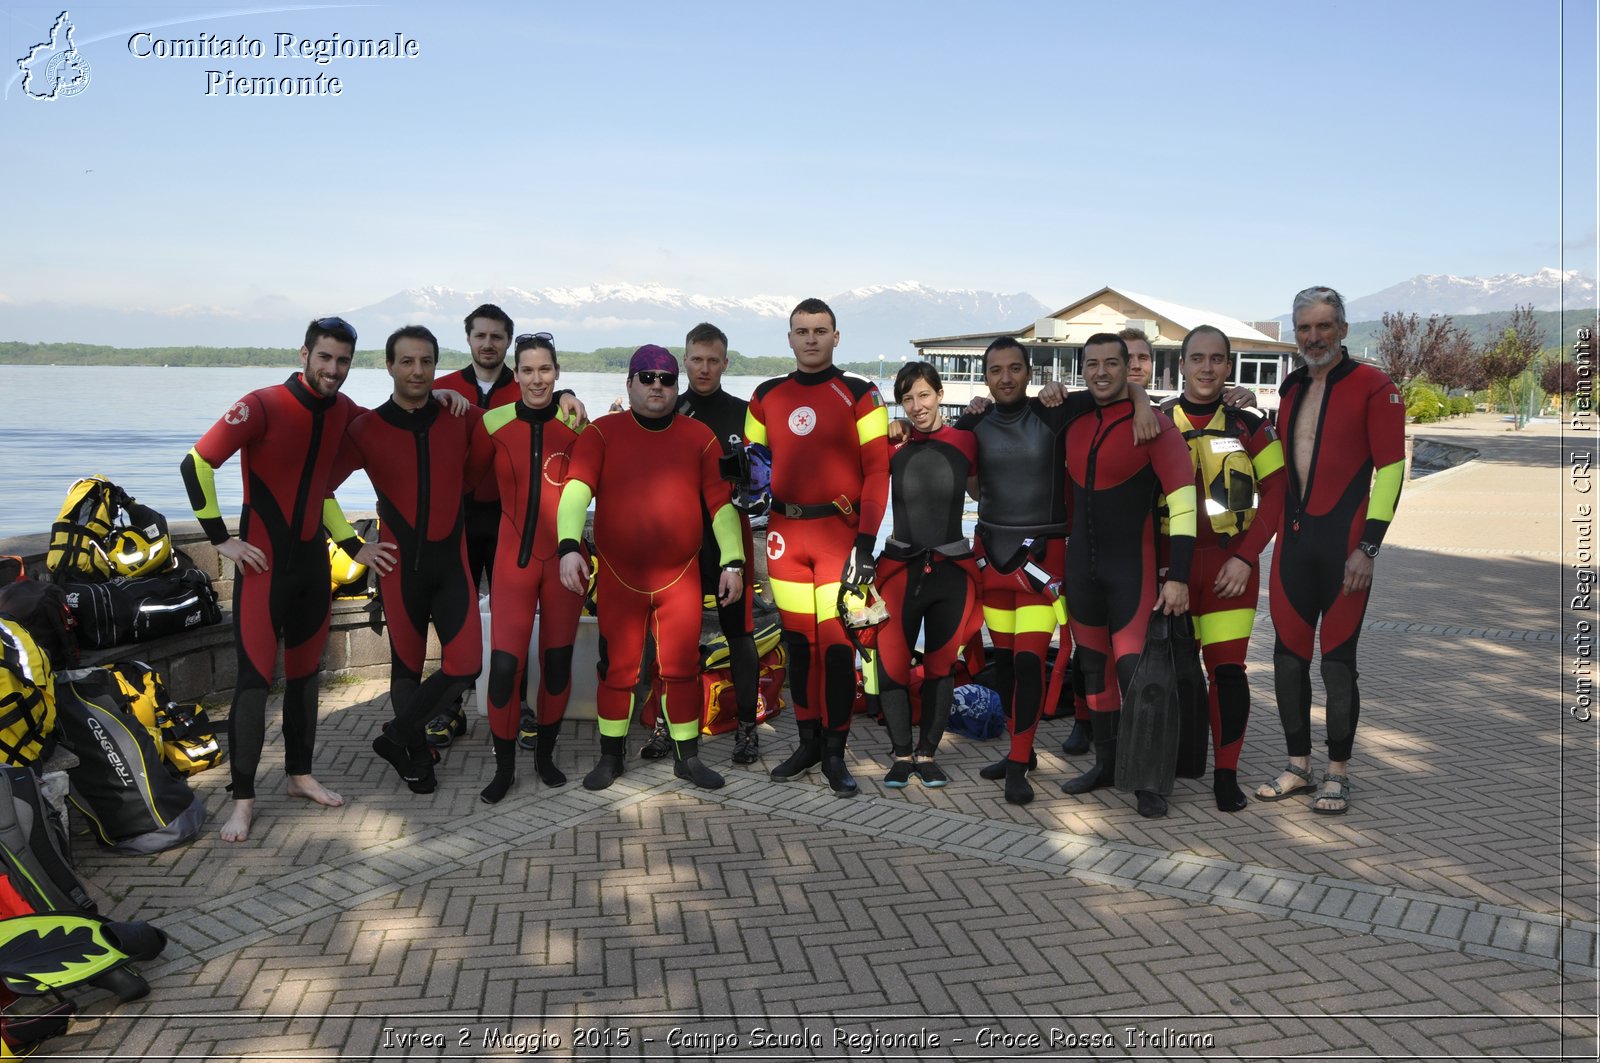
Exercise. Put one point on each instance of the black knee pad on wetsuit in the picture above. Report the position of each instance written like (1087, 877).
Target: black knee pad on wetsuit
(839, 686)
(1344, 707)
(1005, 677)
(1029, 671)
(1089, 671)
(557, 669)
(1233, 702)
(799, 667)
(502, 676)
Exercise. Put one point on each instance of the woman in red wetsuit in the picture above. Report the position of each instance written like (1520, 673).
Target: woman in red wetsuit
(926, 574)
(532, 451)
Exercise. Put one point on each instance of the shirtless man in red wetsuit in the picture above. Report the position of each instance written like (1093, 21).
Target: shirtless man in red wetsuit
(649, 471)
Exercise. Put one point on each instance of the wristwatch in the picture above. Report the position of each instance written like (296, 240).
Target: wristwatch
(1370, 549)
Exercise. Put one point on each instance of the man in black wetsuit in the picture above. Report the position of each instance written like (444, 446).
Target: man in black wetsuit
(705, 359)
(1021, 533)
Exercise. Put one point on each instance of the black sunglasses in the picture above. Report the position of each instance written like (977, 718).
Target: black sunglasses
(332, 323)
(648, 377)
(529, 336)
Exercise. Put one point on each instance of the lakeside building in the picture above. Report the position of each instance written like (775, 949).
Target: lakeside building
(1055, 346)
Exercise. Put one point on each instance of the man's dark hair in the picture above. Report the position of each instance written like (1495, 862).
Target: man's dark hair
(814, 306)
(336, 328)
(410, 332)
(706, 332)
(527, 343)
(494, 313)
(912, 372)
(1005, 343)
(1183, 349)
(1107, 337)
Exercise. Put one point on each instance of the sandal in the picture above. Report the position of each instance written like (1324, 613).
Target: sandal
(1278, 793)
(1341, 795)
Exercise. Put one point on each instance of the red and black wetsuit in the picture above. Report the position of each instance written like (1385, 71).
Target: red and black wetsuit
(1111, 556)
(532, 455)
(1021, 544)
(420, 463)
(725, 416)
(483, 505)
(828, 433)
(929, 580)
(288, 438)
(1357, 468)
(1223, 625)
(646, 475)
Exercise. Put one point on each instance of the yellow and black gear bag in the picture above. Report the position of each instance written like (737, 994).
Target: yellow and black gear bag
(184, 734)
(27, 696)
(348, 576)
(78, 536)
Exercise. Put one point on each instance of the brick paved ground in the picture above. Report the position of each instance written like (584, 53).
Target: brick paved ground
(1450, 915)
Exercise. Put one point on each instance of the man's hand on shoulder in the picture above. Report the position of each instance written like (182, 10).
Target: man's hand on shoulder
(380, 557)
(979, 403)
(1240, 398)
(453, 401)
(1053, 393)
(574, 409)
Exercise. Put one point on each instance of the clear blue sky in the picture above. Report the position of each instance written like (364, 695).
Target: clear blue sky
(1219, 155)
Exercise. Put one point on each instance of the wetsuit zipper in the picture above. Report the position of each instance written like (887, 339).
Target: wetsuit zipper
(424, 493)
(530, 519)
(307, 472)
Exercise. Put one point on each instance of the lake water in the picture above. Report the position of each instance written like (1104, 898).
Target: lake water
(134, 424)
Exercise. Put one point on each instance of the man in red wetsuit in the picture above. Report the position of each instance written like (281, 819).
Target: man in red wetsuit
(289, 437)
(649, 471)
(828, 433)
(1111, 553)
(420, 461)
(1239, 475)
(1343, 430)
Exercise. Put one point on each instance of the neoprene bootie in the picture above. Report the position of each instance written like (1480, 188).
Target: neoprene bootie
(998, 769)
(1103, 773)
(688, 765)
(806, 756)
(1018, 789)
(1225, 788)
(1079, 741)
(609, 768)
(544, 759)
(505, 771)
(838, 776)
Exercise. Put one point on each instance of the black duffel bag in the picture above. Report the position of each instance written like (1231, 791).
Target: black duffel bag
(142, 608)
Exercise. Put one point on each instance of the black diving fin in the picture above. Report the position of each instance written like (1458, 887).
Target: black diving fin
(43, 953)
(1194, 708)
(1147, 737)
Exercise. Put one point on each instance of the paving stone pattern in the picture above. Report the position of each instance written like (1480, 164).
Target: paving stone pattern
(1450, 915)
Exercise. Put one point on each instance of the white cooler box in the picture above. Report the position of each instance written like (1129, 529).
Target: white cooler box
(585, 658)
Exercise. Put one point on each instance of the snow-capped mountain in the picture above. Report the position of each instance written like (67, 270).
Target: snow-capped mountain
(874, 322)
(1439, 293)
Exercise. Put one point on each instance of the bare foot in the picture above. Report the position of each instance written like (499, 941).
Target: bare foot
(309, 788)
(237, 829)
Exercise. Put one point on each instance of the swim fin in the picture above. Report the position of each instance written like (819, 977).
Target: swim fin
(54, 950)
(1147, 741)
(1194, 710)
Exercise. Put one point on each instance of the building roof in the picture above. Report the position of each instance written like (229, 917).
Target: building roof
(1187, 318)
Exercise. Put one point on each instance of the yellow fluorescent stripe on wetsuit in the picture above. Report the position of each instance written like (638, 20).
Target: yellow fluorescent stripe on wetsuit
(1180, 511)
(680, 732)
(1224, 626)
(870, 426)
(1269, 461)
(206, 477)
(828, 601)
(869, 672)
(568, 419)
(333, 519)
(1021, 621)
(1386, 491)
(499, 417)
(793, 597)
(729, 536)
(616, 728)
(756, 432)
(573, 510)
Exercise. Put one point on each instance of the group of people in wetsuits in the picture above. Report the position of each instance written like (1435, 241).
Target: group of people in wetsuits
(1094, 513)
